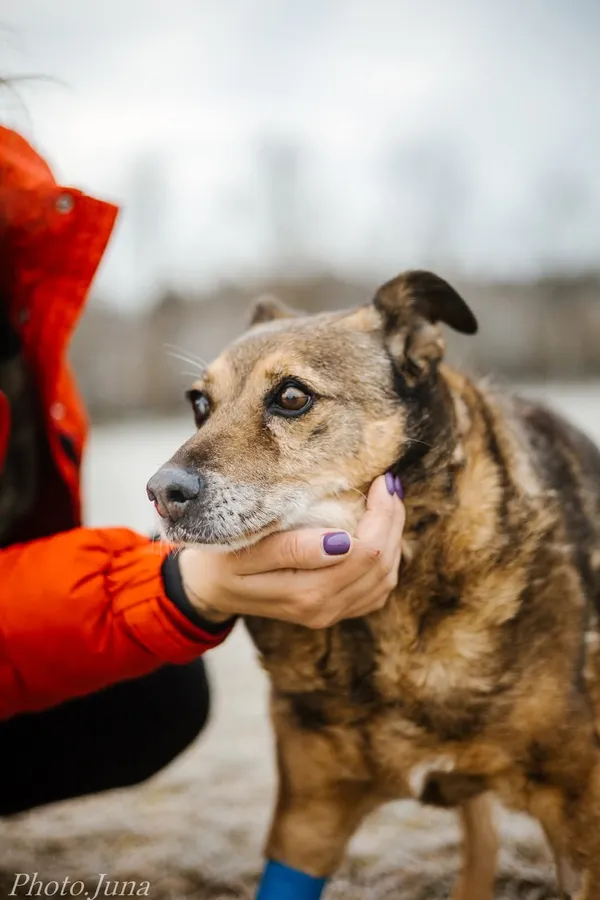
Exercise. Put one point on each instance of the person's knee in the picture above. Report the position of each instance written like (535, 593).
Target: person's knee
(115, 738)
(176, 712)
(192, 700)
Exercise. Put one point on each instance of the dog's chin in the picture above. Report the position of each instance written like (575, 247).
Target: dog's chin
(327, 513)
(237, 542)
(190, 536)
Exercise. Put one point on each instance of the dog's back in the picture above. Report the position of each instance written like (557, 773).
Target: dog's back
(568, 463)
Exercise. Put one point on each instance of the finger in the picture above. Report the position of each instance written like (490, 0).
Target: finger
(393, 541)
(318, 599)
(380, 514)
(377, 546)
(362, 595)
(369, 592)
(297, 585)
(305, 549)
(367, 602)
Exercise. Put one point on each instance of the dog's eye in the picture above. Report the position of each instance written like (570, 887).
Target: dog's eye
(200, 406)
(291, 400)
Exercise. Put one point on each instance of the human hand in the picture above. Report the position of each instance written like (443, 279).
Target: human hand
(310, 577)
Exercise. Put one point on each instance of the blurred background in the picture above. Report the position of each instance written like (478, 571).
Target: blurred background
(315, 149)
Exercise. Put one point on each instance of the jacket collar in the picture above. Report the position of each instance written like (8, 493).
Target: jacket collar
(53, 239)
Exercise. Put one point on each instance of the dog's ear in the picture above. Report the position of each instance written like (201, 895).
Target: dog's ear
(412, 305)
(267, 308)
(427, 295)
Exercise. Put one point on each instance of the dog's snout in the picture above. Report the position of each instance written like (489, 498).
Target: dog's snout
(172, 489)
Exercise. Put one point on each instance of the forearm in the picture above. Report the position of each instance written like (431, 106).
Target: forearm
(85, 609)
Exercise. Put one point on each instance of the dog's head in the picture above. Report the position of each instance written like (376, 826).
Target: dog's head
(297, 417)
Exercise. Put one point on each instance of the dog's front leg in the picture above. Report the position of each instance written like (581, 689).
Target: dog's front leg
(480, 850)
(321, 801)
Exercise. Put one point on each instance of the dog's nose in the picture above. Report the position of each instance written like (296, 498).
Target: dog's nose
(171, 490)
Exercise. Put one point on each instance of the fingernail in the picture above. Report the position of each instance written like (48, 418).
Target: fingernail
(389, 483)
(398, 486)
(336, 543)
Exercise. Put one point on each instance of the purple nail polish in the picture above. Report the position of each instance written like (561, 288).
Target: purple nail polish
(389, 483)
(399, 487)
(336, 543)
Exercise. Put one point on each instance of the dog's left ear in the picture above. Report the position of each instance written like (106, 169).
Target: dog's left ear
(427, 295)
(411, 306)
(267, 308)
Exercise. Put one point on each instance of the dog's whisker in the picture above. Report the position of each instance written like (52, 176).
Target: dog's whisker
(417, 441)
(199, 369)
(192, 357)
(189, 374)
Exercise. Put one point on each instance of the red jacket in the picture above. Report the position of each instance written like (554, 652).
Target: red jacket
(79, 608)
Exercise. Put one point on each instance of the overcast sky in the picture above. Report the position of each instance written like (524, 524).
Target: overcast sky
(364, 135)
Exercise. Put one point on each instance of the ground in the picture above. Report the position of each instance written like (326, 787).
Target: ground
(195, 831)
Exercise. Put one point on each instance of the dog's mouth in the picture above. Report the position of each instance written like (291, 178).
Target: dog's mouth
(209, 536)
(235, 516)
(158, 506)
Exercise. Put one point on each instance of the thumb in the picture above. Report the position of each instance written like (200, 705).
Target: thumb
(308, 548)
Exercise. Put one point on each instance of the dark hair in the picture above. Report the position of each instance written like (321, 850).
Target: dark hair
(11, 82)
(10, 96)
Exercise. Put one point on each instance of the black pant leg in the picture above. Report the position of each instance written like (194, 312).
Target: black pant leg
(114, 738)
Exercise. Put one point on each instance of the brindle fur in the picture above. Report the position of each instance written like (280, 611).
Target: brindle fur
(482, 672)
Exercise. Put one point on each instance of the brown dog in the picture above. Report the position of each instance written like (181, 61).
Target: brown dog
(482, 672)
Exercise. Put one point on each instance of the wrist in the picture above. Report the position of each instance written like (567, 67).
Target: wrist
(177, 589)
(205, 606)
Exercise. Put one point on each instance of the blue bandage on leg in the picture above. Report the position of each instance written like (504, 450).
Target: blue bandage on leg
(279, 882)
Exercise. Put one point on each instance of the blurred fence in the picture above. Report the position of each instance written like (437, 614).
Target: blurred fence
(544, 329)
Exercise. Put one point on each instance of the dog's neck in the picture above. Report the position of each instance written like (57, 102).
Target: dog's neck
(433, 453)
